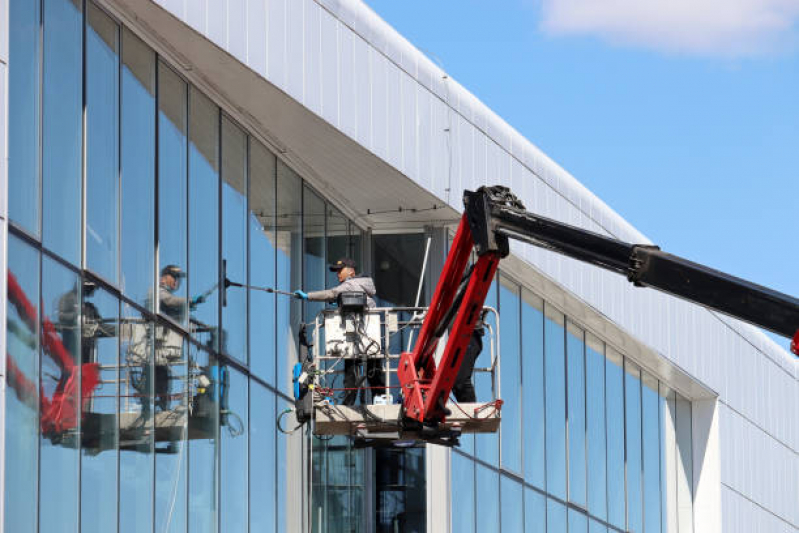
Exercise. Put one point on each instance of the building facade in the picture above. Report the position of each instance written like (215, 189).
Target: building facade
(154, 150)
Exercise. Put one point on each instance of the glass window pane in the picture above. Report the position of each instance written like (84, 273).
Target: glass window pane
(262, 461)
(632, 406)
(62, 108)
(535, 511)
(102, 144)
(172, 200)
(556, 517)
(487, 484)
(234, 238)
(23, 115)
(313, 227)
(400, 497)
(575, 364)
(595, 422)
(651, 453)
(58, 467)
(338, 486)
(578, 522)
(204, 219)
(512, 505)
(262, 261)
(462, 512)
(337, 242)
(206, 391)
(596, 527)
(555, 372)
(100, 423)
(138, 170)
(684, 465)
(355, 247)
(397, 264)
(510, 366)
(614, 397)
(22, 380)
(486, 444)
(136, 435)
(171, 429)
(234, 450)
(289, 270)
(533, 387)
(290, 485)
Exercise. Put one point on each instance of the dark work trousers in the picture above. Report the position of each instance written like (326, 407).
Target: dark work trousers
(463, 390)
(353, 378)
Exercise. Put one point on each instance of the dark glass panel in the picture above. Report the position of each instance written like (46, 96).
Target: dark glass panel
(614, 397)
(313, 227)
(62, 108)
(337, 499)
(555, 375)
(234, 419)
(632, 419)
(234, 237)
(23, 114)
(262, 260)
(512, 505)
(575, 364)
(487, 444)
(397, 266)
(462, 511)
(533, 388)
(171, 430)
(102, 144)
(100, 423)
(556, 517)
(136, 435)
(355, 246)
(510, 366)
(651, 452)
(207, 395)
(595, 422)
(138, 170)
(535, 511)
(400, 497)
(204, 219)
(60, 379)
(337, 242)
(263, 495)
(172, 197)
(289, 270)
(22, 386)
(487, 484)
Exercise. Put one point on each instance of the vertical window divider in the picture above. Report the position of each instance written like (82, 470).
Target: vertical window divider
(82, 264)
(219, 362)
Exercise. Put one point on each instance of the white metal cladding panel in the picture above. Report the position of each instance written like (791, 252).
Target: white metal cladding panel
(295, 58)
(312, 59)
(347, 84)
(740, 515)
(256, 26)
(276, 42)
(331, 54)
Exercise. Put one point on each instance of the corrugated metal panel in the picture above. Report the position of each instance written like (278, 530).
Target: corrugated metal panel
(276, 42)
(257, 27)
(237, 29)
(312, 57)
(331, 52)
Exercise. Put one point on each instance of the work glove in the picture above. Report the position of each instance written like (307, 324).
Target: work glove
(197, 300)
(301, 295)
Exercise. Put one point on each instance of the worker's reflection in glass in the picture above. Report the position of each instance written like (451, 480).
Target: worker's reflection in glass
(349, 281)
(463, 389)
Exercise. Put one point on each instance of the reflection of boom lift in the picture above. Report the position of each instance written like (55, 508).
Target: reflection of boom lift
(491, 216)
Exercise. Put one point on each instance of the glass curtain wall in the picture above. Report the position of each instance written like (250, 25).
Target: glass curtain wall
(599, 445)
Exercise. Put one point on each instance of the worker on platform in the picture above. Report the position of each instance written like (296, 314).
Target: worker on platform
(463, 389)
(349, 281)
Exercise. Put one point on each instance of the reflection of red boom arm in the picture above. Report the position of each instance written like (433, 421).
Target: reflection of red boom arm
(58, 414)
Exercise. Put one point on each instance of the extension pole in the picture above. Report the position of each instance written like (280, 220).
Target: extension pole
(270, 290)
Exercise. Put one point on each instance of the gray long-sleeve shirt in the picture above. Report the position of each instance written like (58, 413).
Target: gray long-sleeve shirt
(357, 284)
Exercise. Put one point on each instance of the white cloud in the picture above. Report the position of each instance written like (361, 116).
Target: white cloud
(731, 28)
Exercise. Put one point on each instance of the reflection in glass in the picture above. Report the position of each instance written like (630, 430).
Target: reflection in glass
(535, 511)
(596, 527)
(338, 486)
(556, 517)
(651, 452)
(234, 237)
(62, 110)
(578, 522)
(203, 219)
(288, 225)
(313, 226)
(510, 365)
(206, 394)
(486, 444)
(632, 406)
(337, 242)
(512, 506)
(400, 497)
(397, 263)
(100, 422)
(234, 452)
(172, 202)
(60, 380)
(575, 365)
(262, 261)
(487, 484)
(136, 435)
(22, 382)
(23, 114)
(533, 387)
(595, 423)
(102, 143)
(137, 249)
(462, 511)
(555, 373)
(262, 461)
(614, 397)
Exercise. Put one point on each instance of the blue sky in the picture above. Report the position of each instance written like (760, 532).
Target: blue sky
(682, 115)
